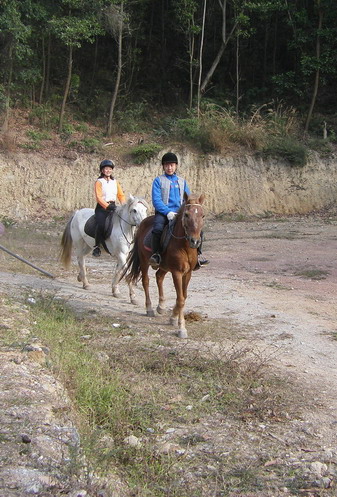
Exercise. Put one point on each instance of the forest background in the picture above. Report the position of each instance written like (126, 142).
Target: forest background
(258, 73)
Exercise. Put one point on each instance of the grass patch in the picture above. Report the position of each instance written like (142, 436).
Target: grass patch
(288, 148)
(270, 130)
(282, 236)
(144, 153)
(313, 274)
(276, 285)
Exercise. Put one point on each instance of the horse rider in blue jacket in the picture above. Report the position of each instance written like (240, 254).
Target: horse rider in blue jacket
(167, 197)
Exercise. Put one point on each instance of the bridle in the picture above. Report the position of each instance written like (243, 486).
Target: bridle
(127, 222)
(186, 236)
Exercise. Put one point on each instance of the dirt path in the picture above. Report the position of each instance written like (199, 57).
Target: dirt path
(277, 276)
(276, 279)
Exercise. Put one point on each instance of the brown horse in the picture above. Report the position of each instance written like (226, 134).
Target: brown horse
(179, 258)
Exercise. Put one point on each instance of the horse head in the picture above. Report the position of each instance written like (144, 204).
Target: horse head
(137, 210)
(192, 218)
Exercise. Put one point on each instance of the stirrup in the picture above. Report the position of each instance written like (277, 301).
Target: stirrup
(96, 252)
(155, 261)
(202, 261)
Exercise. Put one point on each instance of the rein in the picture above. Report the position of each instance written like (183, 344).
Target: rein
(127, 222)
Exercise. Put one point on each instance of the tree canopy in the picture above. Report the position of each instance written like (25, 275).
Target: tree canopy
(110, 54)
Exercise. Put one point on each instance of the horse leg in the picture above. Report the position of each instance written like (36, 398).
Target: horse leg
(115, 279)
(146, 285)
(178, 310)
(115, 288)
(160, 275)
(82, 275)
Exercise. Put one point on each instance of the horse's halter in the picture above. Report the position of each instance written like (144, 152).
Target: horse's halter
(127, 222)
(186, 236)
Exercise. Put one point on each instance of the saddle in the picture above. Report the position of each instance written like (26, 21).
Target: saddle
(90, 228)
(165, 237)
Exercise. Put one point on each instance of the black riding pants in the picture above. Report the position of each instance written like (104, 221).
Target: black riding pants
(100, 216)
(159, 224)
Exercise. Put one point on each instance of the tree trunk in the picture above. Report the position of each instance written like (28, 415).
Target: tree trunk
(5, 126)
(93, 74)
(316, 83)
(48, 68)
(67, 87)
(43, 82)
(191, 50)
(119, 70)
(237, 75)
(224, 43)
(200, 56)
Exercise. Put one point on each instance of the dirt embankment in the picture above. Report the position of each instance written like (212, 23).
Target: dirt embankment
(52, 185)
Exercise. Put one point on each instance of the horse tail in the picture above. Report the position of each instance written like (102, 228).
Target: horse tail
(132, 270)
(66, 245)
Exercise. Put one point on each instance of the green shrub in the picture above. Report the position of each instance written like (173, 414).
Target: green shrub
(133, 118)
(143, 153)
(43, 116)
(91, 144)
(82, 127)
(67, 130)
(288, 148)
(195, 131)
(31, 146)
(7, 221)
(3, 98)
(38, 135)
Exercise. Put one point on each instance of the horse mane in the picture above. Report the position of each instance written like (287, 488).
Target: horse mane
(133, 200)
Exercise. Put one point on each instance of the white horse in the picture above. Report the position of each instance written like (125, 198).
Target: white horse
(125, 220)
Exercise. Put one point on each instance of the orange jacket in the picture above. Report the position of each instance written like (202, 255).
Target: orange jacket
(107, 191)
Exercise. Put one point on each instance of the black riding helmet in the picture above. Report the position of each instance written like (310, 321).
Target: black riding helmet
(106, 163)
(169, 157)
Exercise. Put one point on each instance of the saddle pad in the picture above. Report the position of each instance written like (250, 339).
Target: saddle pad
(90, 228)
(165, 238)
(147, 240)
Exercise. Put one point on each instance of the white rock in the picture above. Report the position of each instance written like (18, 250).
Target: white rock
(132, 441)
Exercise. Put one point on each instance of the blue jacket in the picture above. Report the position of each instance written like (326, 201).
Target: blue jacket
(168, 192)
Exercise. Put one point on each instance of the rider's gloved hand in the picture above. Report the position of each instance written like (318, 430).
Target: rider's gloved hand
(171, 215)
(111, 207)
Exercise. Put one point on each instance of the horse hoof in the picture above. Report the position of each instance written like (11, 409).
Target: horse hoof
(116, 295)
(182, 334)
(85, 287)
(161, 310)
(133, 301)
(150, 314)
(174, 321)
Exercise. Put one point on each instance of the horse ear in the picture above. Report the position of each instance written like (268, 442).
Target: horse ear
(185, 196)
(202, 198)
(131, 197)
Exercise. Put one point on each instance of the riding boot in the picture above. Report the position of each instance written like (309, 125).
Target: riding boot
(155, 258)
(97, 251)
(201, 259)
